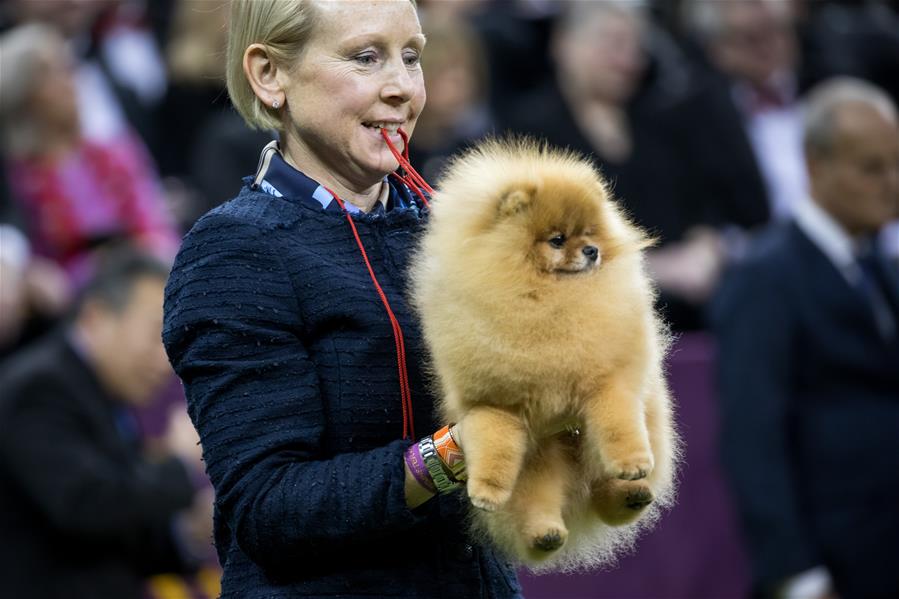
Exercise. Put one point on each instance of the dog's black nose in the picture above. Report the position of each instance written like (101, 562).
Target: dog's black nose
(591, 252)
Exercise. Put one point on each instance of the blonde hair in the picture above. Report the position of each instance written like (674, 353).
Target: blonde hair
(283, 27)
(21, 50)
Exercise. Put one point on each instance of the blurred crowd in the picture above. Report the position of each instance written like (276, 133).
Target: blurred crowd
(117, 134)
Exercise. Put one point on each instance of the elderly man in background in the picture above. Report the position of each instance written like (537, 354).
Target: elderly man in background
(808, 327)
(740, 130)
(85, 510)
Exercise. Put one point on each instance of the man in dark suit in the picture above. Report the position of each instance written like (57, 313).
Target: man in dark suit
(808, 327)
(83, 511)
(738, 130)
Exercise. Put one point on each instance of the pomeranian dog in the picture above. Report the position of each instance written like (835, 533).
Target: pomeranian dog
(537, 313)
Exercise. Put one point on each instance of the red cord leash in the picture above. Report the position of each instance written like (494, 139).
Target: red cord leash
(414, 182)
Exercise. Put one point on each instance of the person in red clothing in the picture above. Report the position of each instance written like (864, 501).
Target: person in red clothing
(74, 194)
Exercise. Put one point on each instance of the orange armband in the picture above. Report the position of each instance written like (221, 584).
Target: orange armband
(450, 453)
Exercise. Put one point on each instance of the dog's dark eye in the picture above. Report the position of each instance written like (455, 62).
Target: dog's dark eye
(557, 242)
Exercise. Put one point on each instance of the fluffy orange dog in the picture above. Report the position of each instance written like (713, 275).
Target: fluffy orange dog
(537, 313)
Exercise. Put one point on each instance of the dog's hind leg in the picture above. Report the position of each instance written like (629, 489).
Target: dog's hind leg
(540, 497)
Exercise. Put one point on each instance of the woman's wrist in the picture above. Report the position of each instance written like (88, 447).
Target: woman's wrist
(416, 467)
(450, 453)
(434, 465)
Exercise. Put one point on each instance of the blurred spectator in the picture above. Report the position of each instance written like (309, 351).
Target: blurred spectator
(605, 102)
(74, 194)
(33, 291)
(808, 329)
(739, 132)
(205, 136)
(195, 56)
(515, 35)
(85, 511)
(119, 73)
(457, 110)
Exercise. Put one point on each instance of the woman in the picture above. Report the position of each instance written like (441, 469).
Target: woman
(286, 320)
(74, 194)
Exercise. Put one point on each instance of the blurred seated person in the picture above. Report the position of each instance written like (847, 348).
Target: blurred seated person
(199, 109)
(455, 71)
(603, 104)
(118, 69)
(808, 331)
(74, 194)
(85, 510)
(34, 292)
(738, 134)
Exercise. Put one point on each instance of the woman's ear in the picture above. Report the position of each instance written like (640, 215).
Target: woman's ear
(262, 73)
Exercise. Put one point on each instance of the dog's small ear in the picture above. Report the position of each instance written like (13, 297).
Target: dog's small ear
(516, 200)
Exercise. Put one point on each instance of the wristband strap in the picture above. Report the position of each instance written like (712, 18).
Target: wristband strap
(439, 473)
(450, 452)
(417, 467)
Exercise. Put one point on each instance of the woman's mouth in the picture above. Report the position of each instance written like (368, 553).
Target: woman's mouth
(392, 128)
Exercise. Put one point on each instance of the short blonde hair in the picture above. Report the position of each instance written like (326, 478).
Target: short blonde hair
(283, 27)
(21, 50)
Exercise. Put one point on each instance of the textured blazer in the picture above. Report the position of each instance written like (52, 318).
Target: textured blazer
(289, 364)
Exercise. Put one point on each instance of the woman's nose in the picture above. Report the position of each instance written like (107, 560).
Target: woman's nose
(399, 85)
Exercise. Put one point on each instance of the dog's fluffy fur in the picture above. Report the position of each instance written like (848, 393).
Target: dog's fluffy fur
(528, 330)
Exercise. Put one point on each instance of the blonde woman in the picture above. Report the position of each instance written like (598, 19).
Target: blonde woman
(286, 320)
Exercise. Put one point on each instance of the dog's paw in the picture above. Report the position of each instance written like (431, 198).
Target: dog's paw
(550, 540)
(619, 502)
(637, 497)
(487, 495)
(633, 467)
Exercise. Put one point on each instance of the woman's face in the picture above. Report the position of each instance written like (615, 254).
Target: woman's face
(360, 70)
(602, 57)
(52, 102)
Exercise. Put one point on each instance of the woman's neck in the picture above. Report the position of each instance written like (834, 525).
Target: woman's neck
(363, 196)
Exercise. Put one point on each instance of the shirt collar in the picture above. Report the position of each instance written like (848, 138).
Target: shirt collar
(276, 177)
(829, 236)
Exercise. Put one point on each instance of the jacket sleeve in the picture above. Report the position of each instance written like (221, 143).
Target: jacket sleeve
(233, 334)
(757, 334)
(80, 488)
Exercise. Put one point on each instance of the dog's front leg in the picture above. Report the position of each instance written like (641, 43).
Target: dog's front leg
(494, 442)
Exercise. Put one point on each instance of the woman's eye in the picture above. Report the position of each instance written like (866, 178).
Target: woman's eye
(557, 242)
(412, 59)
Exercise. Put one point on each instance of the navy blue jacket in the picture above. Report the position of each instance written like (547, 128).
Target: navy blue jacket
(810, 392)
(288, 361)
